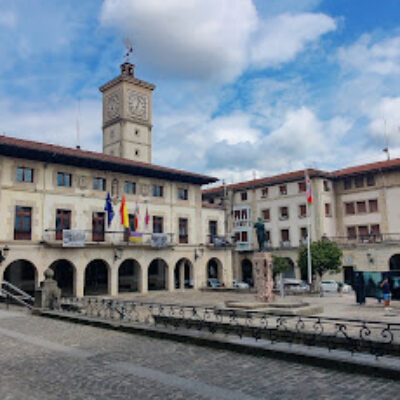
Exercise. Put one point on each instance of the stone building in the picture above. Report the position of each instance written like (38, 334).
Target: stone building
(52, 200)
(357, 207)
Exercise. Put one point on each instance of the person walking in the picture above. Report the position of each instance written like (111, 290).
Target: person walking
(386, 293)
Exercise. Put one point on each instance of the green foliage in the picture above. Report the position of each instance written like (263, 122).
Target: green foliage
(280, 264)
(325, 256)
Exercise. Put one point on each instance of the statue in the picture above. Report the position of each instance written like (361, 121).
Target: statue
(261, 236)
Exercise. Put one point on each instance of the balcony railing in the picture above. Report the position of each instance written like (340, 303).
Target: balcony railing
(242, 223)
(218, 241)
(366, 239)
(243, 246)
(83, 238)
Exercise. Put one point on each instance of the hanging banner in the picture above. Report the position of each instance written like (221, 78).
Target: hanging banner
(159, 240)
(136, 237)
(74, 238)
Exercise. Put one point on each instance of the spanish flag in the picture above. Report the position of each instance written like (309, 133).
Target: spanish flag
(124, 213)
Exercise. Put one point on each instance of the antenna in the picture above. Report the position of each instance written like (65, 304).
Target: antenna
(386, 149)
(129, 48)
(78, 133)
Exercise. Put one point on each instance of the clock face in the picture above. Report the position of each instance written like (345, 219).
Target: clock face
(137, 104)
(112, 105)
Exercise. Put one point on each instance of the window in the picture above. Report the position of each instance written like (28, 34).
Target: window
(130, 187)
(23, 223)
(24, 174)
(114, 188)
(244, 236)
(99, 183)
(363, 232)
(370, 180)
(137, 132)
(244, 214)
(375, 230)
(132, 222)
(285, 235)
(158, 224)
(243, 196)
(359, 181)
(302, 210)
(98, 226)
(212, 230)
(283, 189)
(347, 183)
(351, 232)
(63, 221)
(302, 186)
(237, 236)
(183, 230)
(158, 191)
(327, 209)
(284, 212)
(373, 205)
(264, 192)
(237, 214)
(182, 194)
(326, 186)
(265, 214)
(361, 207)
(268, 236)
(136, 152)
(63, 179)
(349, 208)
(303, 233)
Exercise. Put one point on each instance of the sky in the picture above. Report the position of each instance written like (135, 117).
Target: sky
(244, 88)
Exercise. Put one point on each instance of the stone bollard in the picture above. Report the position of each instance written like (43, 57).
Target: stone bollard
(49, 294)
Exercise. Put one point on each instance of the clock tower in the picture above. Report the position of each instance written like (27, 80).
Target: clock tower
(127, 116)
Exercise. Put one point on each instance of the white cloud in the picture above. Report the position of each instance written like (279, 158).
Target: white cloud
(381, 57)
(208, 39)
(8, 19)
(281, 38)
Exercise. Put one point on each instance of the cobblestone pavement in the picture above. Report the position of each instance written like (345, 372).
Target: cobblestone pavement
(49, 359)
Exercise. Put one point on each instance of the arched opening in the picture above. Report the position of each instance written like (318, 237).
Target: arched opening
(183, 274)
(157, 275)
(96, 278)
(23, 274)
(290, 272)
(247, 271)
(129, 276)
(64, 273)
(214, 270)
(394, 262)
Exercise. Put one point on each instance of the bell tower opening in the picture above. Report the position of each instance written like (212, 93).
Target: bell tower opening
(127, 116)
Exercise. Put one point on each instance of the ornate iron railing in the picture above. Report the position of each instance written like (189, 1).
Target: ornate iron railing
(375, 337)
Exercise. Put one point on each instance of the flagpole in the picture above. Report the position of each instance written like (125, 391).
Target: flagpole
(308, 191)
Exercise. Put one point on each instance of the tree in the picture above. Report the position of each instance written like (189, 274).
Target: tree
(325, 256)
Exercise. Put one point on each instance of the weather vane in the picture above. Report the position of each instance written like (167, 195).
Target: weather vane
(129, 49)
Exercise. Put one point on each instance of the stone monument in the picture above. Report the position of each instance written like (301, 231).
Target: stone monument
(263, 276)
(49, 294)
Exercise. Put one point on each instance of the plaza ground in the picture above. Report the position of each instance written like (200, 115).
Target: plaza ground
(50, 359)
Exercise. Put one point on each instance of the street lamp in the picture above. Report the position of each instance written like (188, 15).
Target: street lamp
(3, 253)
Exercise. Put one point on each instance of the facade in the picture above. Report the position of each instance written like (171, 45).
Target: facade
(357, 207)
(53, 198)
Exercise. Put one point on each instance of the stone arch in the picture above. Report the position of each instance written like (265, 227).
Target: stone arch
(214, 269)
(183, 274)
(157, 275)
(64, 274)
(247, 271)
(290, 272)
(394, 262)
(23, 274)
(129, 276)
(97, 277)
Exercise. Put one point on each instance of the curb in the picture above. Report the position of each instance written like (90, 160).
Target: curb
(356, 363)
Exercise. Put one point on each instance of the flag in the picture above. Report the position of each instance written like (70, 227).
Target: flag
(124, 213)
(137, 217)
(109, 208)
(136, 237)
(147, 219)
(308, 189)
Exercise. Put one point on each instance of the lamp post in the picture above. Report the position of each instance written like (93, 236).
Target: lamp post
(3, 253)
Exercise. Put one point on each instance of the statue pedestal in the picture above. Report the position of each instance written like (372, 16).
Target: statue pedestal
(263, 276)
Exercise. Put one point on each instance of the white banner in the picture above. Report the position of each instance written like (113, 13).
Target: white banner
(74, 238)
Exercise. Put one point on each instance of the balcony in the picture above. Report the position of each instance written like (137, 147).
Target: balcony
(285, 244)
(283, 217)
(244, 246)
(218, 242)
(242, 223)
(88, 238)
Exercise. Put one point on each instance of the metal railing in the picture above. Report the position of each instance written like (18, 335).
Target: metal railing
(366, 239)
(375, 337)
(218, 241)
(11, 292)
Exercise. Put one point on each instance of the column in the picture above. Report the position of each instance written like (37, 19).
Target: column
(171, 279)
(79, 282)
(182, 274)
(144, 283)
(113, 281)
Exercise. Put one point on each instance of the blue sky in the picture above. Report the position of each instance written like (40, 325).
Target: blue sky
(243, 86)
